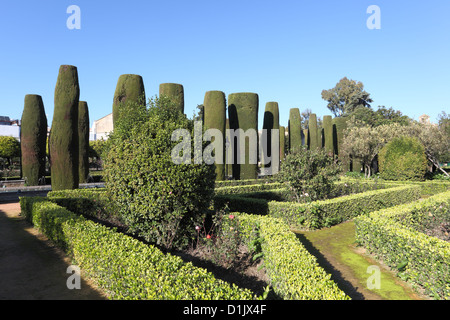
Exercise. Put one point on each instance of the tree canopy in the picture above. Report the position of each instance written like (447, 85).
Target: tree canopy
(346, 96)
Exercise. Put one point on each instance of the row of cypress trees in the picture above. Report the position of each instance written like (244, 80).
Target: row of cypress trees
(242, 114)
(69, 138)
(68, 142)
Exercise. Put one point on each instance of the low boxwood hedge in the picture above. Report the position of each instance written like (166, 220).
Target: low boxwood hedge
(326, 213)
(323, 213)
(247, 188)
(293, 272)
(392, 235)
(121, 265)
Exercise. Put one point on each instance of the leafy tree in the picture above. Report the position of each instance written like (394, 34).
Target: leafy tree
(346, 96)
(9, 148)
(387, 116)
(444, 126)
(365, 142)
(434, 140)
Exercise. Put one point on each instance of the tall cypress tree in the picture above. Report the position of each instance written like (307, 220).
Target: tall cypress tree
(83, 140)
(271, 121)
(243, 114)
(295, 129)
(282, 142)
(214, 113)
(129, 88)
(33, 139)
(63, 142)
(175, 92)
(313, 132)
(339, 125)
(328, 134)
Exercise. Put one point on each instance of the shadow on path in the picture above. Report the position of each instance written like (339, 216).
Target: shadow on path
(31, 268)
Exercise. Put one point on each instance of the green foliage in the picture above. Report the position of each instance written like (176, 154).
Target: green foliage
(122, 266)
(93, 203)
(243, 114)
(175, 93)
(159, 200)
(313, 136)
(271, 122)
(295, 129)
(382, 116)
(282, 143)
(396, 235)
(83, 141)
(33, 139)
(309, 174)
(9, 148)
(129, 88)
(222, 241)
(346, 96)
(214, 114)
(328, 134)
(325, 213)
(293, 272)
(63, 140)
(403, 158)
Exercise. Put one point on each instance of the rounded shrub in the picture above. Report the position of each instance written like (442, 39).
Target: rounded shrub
(309, 174)
(403, 158)
(159, 200)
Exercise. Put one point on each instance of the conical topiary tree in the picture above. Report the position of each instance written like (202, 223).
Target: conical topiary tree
(328, 134)
(243, 114)
(295, 129)
(33, 139)
(271, 122)
(313, 132)
(305, 138)
(129, 88)
(175, 92)
(83, 141)
(214, 113)
(63, 142)
(339, 125)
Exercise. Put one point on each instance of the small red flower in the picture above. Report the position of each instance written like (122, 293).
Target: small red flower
(231, 216)
(208, 236)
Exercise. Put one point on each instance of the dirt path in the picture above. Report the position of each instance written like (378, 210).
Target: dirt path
(31, 268)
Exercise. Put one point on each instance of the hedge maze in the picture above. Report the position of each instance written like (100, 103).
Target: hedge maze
(397, 221)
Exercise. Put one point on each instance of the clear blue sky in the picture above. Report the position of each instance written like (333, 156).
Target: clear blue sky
(286, 51)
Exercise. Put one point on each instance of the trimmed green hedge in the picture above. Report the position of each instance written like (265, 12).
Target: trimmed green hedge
(123, 266)
(293, 272)
(326, 213)
(87, 202)
(323, 213)
(391, 234)
(248, 188)
(232, 183)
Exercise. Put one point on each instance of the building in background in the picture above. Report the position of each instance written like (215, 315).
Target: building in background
(9, 127)
(101, 128)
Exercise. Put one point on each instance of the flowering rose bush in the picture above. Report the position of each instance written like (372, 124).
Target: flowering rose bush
(221, 243)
